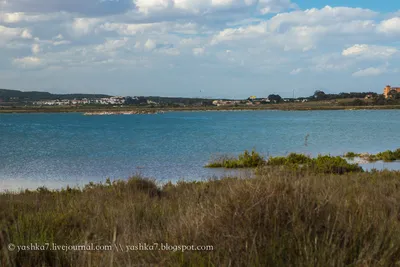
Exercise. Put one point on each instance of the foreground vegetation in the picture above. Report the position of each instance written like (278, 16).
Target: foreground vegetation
(299, 162)
(278, 218)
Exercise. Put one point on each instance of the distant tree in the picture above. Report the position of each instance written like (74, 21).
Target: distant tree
(394, 94)
(380, 100)
(275, 98)
(129, 100)
(319, 95)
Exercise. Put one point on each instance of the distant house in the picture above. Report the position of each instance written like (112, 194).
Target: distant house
(388, 89)
(368, 96)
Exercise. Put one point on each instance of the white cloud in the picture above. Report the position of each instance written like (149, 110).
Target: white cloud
(200, 7)
(325, 16)
(369, 51)
(150, 45)
(296, 71)
(230, 34)
(63, 42)
(369, 72)
(198, 51)
(9, 34)
(190, 42)
(28, 62)
(222, 34)
(55, 41)
(84, 26)
(303, 30)
(146, 6)
(112, 45)
(333, 62)
(58, 37)
(18, 17)
(128, 29)
(169, 51)
(36, 49)
(390, 26)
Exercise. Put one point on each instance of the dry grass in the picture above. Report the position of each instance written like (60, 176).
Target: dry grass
(279, 218)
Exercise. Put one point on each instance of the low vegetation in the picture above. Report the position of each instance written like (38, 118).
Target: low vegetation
(322, 164)
(386, 156)
(300, 162)
(277, 218)
(351, 155)
(245, 160)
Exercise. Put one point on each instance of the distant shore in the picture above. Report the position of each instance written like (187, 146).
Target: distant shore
(134, 109)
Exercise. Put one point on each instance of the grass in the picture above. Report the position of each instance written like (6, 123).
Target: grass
(386, 156)
(277, 218)
(245, 160)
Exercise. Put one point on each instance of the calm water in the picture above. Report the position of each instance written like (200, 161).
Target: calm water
(59, 149)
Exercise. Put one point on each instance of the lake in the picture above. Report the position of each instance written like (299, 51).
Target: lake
(59, 149)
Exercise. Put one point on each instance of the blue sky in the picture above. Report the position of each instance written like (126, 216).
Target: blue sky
(381, 6)
(199, 48)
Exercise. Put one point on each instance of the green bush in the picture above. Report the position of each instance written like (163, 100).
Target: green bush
(351, 155)
(245, 160)
(335, 165)
(387, 156)
(293, 160)
(321, 164)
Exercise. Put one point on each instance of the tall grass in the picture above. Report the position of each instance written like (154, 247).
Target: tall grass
(278, 218)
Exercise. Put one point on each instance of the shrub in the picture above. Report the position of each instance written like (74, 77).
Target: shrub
(334, 165)
(351, 155)
(321, 164)
(293, 160)
(387, 156)
(245, 160)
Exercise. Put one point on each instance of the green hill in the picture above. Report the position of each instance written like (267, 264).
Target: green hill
(20, 96)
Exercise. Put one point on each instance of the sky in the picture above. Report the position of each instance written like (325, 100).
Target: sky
(199, 48)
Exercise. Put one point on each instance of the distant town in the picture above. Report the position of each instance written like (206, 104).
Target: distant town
(390, 95)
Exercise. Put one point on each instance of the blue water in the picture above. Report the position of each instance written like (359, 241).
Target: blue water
(60, 149)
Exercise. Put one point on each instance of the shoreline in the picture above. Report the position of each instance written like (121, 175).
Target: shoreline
(146, 110)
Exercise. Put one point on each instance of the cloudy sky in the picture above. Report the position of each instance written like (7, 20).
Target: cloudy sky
(199, 48)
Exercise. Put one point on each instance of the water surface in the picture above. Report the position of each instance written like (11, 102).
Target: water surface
(59, 149)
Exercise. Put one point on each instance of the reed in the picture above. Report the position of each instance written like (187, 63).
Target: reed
(277, 218)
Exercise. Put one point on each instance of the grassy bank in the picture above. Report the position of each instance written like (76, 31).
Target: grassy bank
(278, 218)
